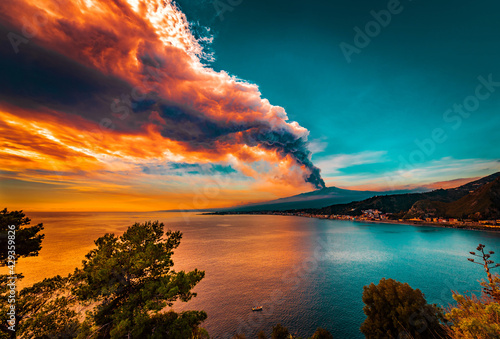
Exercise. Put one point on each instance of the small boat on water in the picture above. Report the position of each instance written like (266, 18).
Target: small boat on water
(257, 308)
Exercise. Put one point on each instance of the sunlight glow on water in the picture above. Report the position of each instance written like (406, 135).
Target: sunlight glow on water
(305, 272)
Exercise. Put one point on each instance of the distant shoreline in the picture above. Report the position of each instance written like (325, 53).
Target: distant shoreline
(430, 224)
(394, 222)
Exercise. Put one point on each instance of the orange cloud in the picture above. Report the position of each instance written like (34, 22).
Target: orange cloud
(139, 96)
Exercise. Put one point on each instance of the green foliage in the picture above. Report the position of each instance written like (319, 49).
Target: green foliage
(492, 286)
(199, 333)
(28, 240)
(131, 280)
(394, 309)
(321, 333)
(126, 281)
(25, 241)
(474, 318)
(280, 332)
(46, 310)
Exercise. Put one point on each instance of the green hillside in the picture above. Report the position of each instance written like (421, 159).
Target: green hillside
(483, 203)
(418, 204)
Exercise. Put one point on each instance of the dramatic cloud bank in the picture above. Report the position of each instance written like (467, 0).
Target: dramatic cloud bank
(92, 85)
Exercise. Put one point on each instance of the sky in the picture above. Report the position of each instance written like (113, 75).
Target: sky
(149, 105)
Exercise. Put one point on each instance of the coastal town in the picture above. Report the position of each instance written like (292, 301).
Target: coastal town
(374, 215)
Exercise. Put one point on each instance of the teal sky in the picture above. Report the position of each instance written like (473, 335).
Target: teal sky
(365, 115)
(378, 95)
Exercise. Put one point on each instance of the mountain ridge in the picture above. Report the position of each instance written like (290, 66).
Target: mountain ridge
(483, 203)
(402, 203)
(314, 199)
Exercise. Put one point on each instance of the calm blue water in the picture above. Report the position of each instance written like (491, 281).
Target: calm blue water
(307, 273)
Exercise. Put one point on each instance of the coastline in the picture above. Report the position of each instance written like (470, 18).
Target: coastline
(431, 224)
(470, 227)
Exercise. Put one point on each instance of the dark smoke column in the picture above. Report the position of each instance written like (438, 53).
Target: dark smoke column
(287, 143)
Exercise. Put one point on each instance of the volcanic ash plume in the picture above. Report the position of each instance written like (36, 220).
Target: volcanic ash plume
(137, 64)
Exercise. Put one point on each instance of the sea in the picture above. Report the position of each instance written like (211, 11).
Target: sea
(305, 272)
